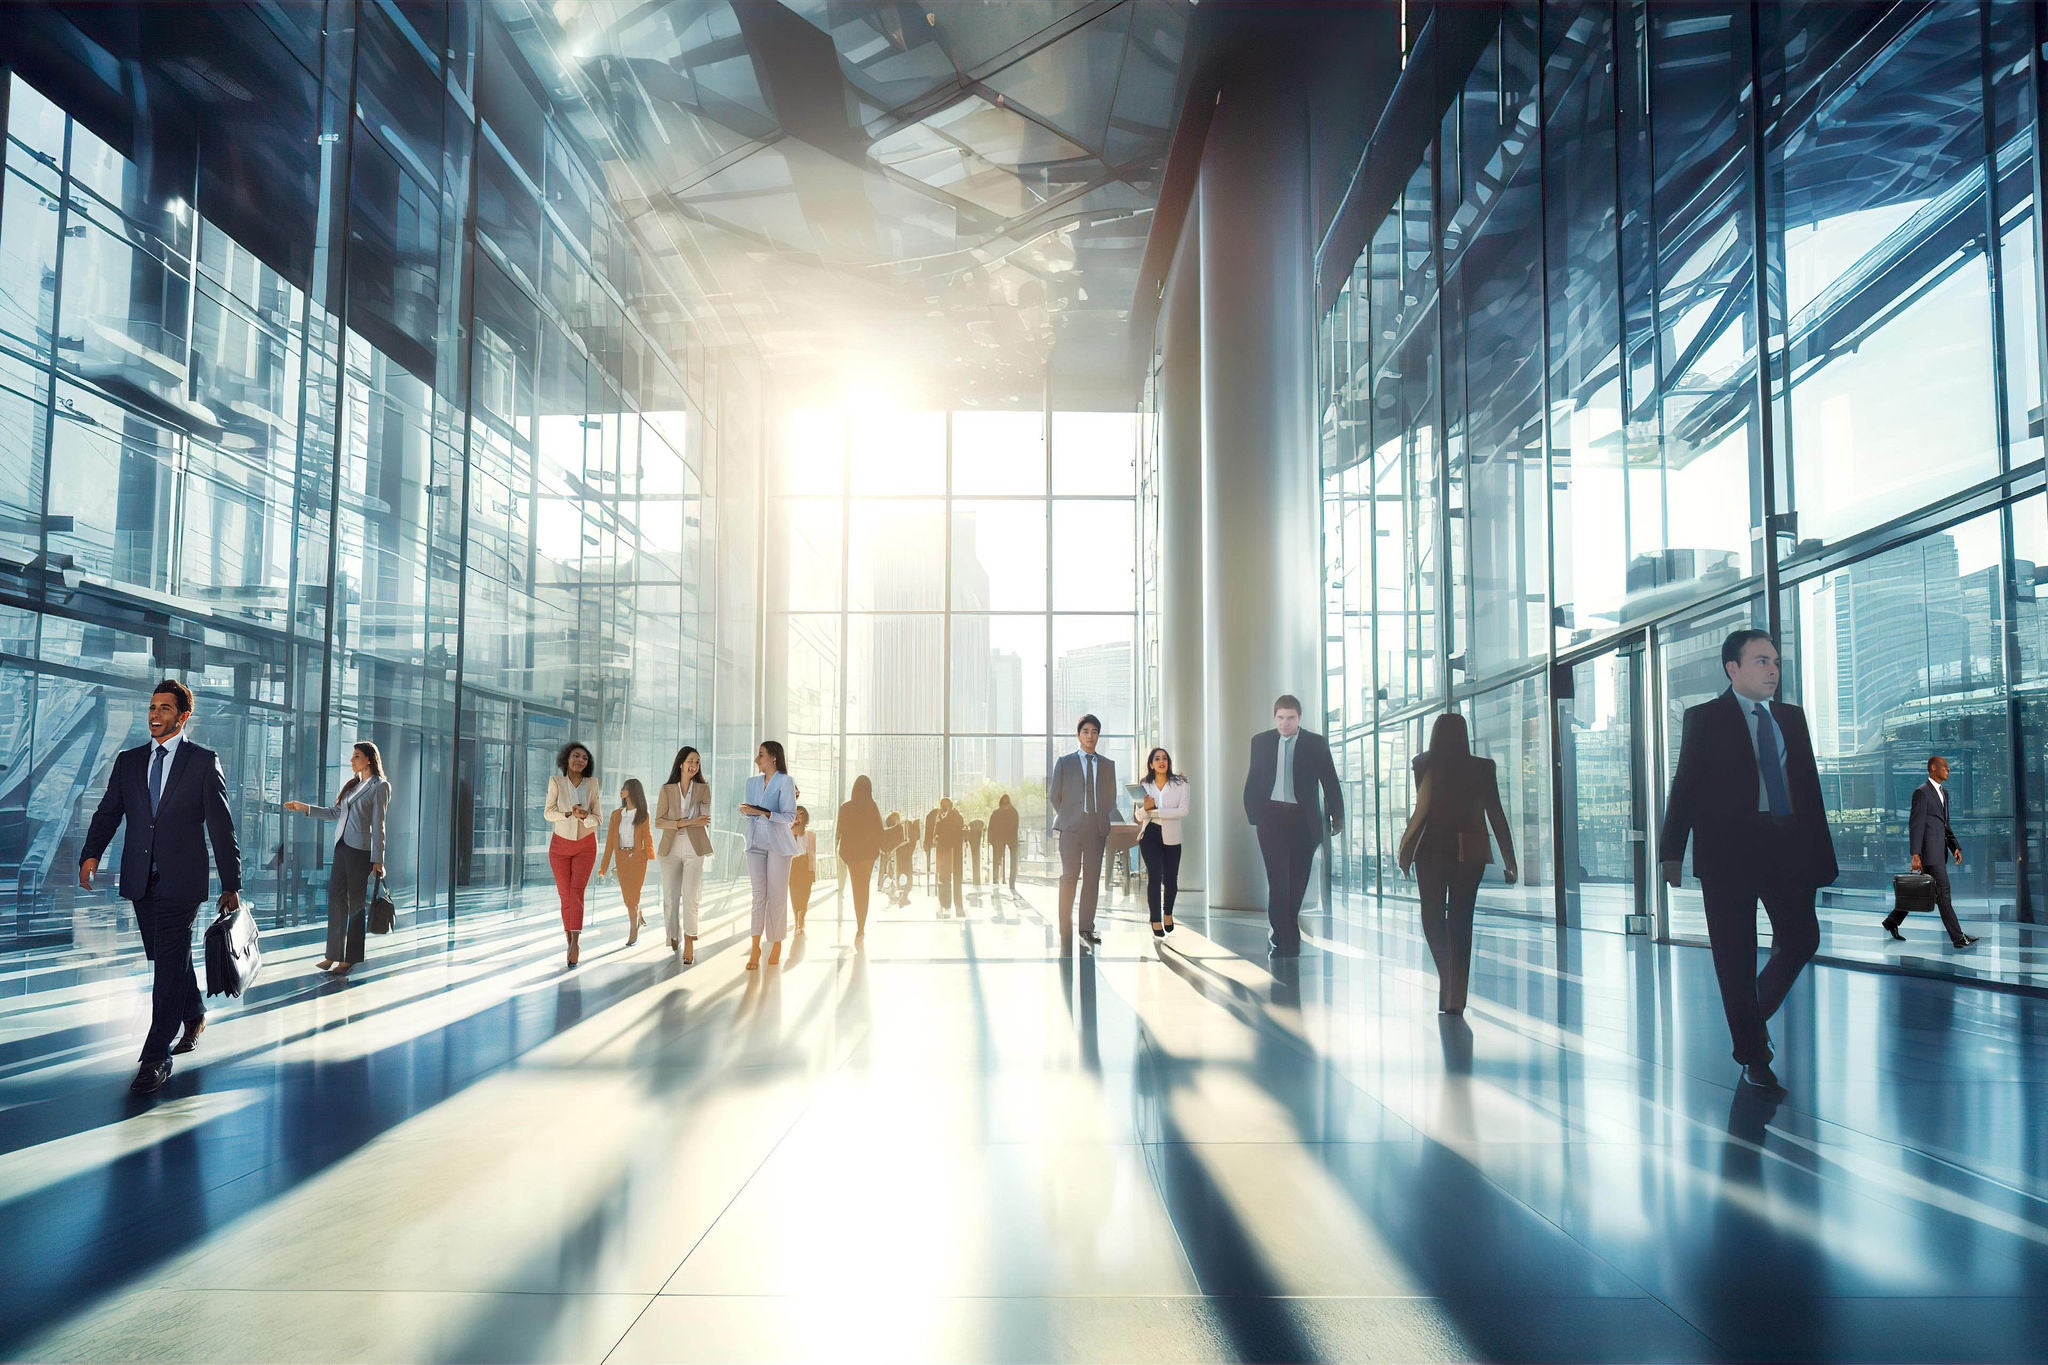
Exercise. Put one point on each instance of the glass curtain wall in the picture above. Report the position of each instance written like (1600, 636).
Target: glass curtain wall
(948, 593)
(338, 413)
(1634, 361)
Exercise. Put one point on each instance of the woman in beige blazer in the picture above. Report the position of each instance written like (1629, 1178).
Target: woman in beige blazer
(682, 819)
(629, 846)
(572, 813)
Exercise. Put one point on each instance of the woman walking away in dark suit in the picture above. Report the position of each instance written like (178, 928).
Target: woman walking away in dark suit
(858, 834)
(1458, 794)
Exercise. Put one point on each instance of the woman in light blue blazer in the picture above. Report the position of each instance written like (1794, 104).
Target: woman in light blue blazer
(770, 808)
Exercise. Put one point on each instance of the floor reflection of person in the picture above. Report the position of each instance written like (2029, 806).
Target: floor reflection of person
(1457, 797)
(1161, 813)
(173, 797)
(629, 847)
(770, 810)
(358, 813)
(858, 836)
(1746, 795)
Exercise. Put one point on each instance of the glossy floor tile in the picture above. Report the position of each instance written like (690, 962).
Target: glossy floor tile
(944, 1143)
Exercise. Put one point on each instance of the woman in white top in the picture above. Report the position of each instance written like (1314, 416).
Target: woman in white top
(770, 808)
(572, 813)
(1167, 797)
(358, 853)
(803, 869)
(682, 813)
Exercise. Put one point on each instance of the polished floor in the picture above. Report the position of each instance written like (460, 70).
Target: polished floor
(945, 1144)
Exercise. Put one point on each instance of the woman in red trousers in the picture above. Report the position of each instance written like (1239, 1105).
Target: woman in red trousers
(572, 813)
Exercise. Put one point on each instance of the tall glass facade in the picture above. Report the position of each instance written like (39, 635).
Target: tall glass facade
(948, 592)
(1694, 317)
(344, 415)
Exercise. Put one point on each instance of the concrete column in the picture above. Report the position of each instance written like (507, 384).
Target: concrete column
(1183, 723)
(1262, 542)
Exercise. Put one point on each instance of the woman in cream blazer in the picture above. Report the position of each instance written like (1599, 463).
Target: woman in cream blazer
(572, 813)
(1167, 798)
(682, 814)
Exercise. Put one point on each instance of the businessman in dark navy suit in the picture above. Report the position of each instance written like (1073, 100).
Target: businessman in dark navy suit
(1747, 796)
(174, 799)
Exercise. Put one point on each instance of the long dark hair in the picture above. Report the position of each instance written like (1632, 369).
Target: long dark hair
(675, 769)
(369, 751)
(1171, 776)
(589, 759)
(636, 797)
(774, 748)
(1450, 744)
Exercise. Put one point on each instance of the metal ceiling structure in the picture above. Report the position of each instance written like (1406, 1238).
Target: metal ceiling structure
(952, 198)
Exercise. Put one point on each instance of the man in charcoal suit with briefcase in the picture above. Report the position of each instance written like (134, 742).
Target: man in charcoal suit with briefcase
(1934, 846)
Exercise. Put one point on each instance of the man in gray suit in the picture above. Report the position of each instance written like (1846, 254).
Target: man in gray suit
(1083, 800)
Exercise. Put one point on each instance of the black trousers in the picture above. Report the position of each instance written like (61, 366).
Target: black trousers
(175, 998)
(1287, 841)
(1449, 892)
(1944, 901)
(1162, 872)
(348, 898)
(1748, 996)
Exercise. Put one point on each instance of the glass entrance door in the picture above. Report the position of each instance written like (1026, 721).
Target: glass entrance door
(1604, 873)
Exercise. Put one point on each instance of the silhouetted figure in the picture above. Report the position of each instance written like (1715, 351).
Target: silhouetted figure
(572, 815)
(1934, 845)
(1083, 802)
(1747, 795)
(174, 799)
(1161, 812)
(950, 834)
(770, 809)
(803, 868)
(859, 835)
(1002, 841)
(358, 854)
(931, 846)
(974, 832)
(1289, 773)
(1457, 794)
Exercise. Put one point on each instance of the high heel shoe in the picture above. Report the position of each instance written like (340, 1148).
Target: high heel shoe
(689, 952)
(1157, 932)
(1169, 924)
(633, 934)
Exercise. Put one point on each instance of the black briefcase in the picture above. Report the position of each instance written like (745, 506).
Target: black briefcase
(1912, 891)
(234, 952)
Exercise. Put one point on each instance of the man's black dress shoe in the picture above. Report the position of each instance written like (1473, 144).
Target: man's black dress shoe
(1893, 930)
(1965, 941)
(151, 1076)
(191, 1038)
(1760, 1075)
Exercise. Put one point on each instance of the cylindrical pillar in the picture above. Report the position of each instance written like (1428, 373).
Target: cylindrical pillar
(1182, 722)
(1261, 540)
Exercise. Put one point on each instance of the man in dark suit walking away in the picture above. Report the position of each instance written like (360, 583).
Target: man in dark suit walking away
(1934, 845)
(1747, 793)
(174, 799)
(1290, 773)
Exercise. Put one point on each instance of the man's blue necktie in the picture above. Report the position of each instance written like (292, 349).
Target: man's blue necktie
(156, 778)
(1767, 760)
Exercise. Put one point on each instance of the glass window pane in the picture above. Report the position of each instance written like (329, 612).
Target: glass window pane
(998, 453)
(896, 452)
(1094, 556)
(895, 673)
(1093, 673)
(987, 769)
(810, 534)
(998, 674)
(897, 557)
(813, 451)
(810, 647)
(1095, 452)
(906, 771)
(999, 556)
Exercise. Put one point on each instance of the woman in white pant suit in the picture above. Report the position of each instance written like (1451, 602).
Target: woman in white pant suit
(770, 808)
(683, 815)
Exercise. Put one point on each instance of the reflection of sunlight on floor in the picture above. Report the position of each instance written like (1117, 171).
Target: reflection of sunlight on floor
(28, 1169)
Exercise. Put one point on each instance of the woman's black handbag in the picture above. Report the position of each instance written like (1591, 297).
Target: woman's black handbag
(383, 914)
(234, 952)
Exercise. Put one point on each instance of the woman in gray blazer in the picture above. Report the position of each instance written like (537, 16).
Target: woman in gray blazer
(358, 853)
